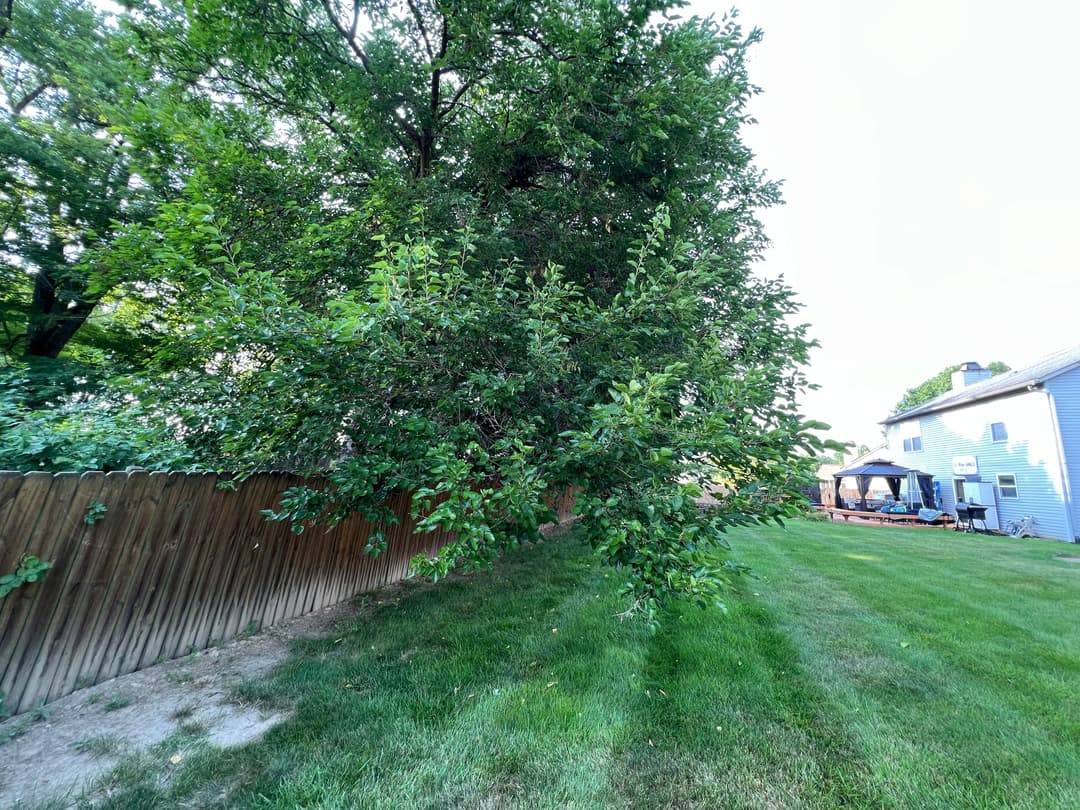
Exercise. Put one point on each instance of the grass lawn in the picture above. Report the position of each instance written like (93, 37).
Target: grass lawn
(865, 667)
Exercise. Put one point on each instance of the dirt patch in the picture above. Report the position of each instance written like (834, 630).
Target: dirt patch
(80, 737)
(1068, 558)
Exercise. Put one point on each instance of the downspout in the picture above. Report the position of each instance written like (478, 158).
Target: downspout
(1063, 469)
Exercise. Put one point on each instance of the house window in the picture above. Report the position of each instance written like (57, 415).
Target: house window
(1007, 487)
(958, 488)
(998, 432)
(913, 444)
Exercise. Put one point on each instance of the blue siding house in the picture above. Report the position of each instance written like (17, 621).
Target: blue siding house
(1010, 442)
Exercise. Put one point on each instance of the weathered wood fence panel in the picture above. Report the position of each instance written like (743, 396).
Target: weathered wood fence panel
(174, 565)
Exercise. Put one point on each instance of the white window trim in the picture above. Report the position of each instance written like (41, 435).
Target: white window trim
(911, 440)
(1015, 485)
(908, 430)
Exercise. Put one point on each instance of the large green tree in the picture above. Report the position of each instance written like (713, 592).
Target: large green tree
(564, 123)
(518, 259)
(95, 139)
(473, 250)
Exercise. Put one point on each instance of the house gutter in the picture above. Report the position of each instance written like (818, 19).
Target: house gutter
(1063, 469)
(920, 411)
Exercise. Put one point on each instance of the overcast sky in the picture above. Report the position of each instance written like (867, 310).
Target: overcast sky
(930, 153)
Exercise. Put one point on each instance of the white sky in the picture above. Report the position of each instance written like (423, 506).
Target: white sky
(930, 153)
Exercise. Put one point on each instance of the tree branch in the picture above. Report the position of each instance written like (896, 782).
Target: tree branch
(349, 35)
(452, 113)
(29, 98)
(423, 29)
(535, 39)
(355, 19)
(448, 109)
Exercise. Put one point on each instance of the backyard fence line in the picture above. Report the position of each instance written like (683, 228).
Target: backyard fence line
(173, 564)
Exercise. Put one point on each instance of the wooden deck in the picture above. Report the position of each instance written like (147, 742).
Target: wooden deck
(944, 522)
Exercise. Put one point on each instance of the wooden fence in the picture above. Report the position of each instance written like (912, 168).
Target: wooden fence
(174, 564)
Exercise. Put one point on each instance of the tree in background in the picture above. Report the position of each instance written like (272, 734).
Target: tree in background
(68, 179)
(936, 386)
(96, 138)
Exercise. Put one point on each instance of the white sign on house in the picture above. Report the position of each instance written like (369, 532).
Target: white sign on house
(965, 465)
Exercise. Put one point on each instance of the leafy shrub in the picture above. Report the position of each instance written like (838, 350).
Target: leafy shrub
(82, 431)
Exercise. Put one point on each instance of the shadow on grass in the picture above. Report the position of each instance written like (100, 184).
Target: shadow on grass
(484, 690)
(518, 687)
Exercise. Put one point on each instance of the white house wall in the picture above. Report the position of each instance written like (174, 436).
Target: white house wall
(1065, 392)
(1030, 453)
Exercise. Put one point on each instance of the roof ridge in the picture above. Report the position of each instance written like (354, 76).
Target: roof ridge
(1048, 366)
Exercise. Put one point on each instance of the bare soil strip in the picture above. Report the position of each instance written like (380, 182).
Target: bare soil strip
(58, 750)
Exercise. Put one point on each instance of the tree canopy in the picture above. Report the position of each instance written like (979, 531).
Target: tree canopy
(68, 179)
(478, 251)
(937, 385)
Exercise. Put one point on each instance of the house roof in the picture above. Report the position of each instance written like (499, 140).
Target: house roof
(872, 454)
(826, 472)
(1000, 385)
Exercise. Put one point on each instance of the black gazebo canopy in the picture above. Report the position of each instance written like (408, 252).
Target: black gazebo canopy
(893, 475)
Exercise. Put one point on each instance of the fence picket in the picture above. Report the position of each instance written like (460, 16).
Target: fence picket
(55, 522)
(174, 563)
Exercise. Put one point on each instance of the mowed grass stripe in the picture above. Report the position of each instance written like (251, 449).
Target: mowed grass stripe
(957, 683)
(980, 621)
(729, 720)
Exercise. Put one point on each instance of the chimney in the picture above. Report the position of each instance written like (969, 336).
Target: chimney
(968, 374)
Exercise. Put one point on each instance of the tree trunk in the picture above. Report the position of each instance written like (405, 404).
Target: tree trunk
(52, 321)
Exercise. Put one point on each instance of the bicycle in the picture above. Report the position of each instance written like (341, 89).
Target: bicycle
(1025, 527)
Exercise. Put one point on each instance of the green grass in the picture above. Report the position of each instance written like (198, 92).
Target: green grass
(102, 745)
(865, 667)
(955, 658)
